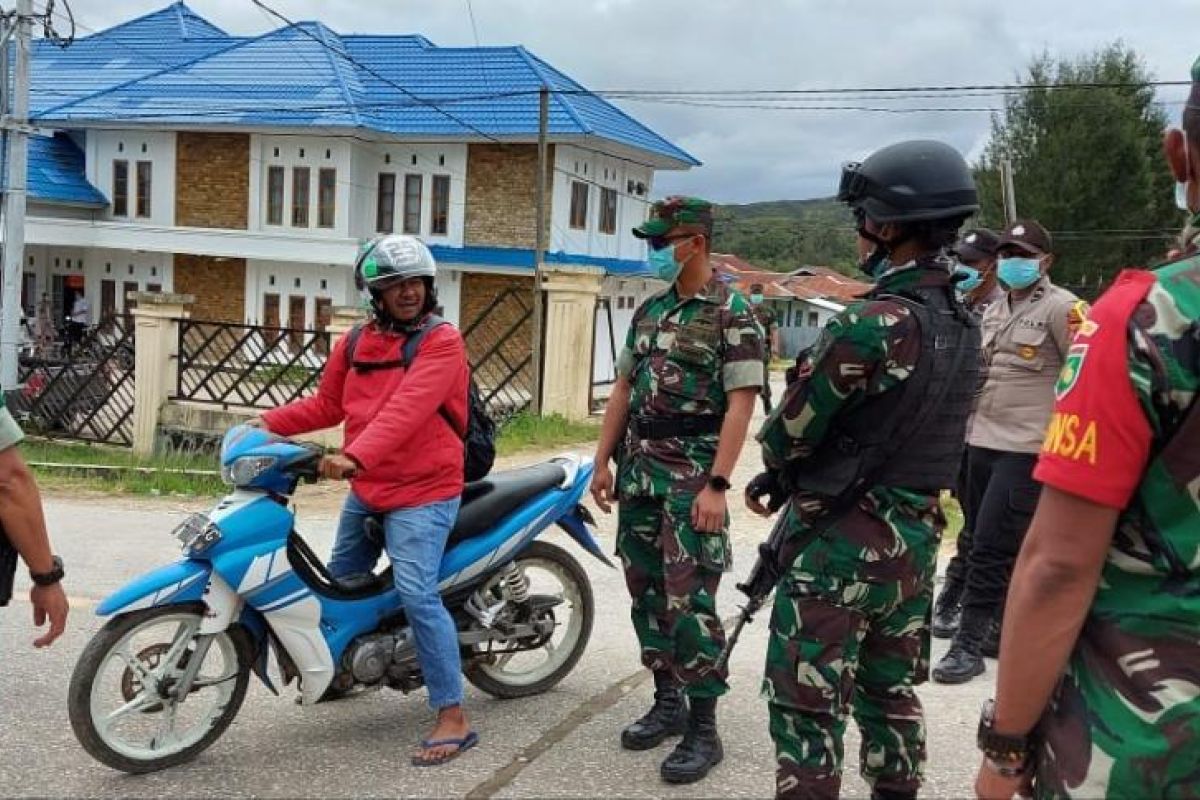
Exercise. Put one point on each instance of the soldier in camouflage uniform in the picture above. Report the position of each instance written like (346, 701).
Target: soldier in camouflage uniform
(680, 408)
(863, 443)
(766, 320)
(23, 533)
(1106, 593)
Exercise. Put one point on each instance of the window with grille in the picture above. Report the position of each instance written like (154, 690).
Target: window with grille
(326, 197)
(385, 203)
(439, 221)
(300, 187)
(579, 203)
(275, 196)
(608, 210)
(120, 193)
(412, 204)
(144, 183)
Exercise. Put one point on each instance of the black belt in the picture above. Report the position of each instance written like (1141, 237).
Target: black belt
(680, 425)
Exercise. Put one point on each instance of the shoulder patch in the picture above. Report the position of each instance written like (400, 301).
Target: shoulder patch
(1069, 376)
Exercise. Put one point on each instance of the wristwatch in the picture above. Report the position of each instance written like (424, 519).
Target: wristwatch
(1002, 749)
(718, 483)
(49, 578)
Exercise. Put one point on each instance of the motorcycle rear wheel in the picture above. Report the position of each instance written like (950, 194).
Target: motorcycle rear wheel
(534, 671)
(146, 663)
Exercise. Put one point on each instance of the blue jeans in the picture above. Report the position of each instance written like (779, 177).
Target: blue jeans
(416, 539)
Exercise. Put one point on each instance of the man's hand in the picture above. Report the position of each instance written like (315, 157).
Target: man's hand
(765, 483)
(49, 602)
(991, 785)
(338, 468)
(602, 487)
(708, 511)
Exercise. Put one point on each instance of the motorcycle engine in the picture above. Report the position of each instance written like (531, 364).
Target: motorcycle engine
(370, 656)
(394, 655)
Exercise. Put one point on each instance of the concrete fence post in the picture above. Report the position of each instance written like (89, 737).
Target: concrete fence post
(156, 325)
(571, 294)
(341, 320)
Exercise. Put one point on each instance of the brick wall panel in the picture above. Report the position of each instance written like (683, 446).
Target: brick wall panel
(218, 285)
(502, 194)
(212, 180)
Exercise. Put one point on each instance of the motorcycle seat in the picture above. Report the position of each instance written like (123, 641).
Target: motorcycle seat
(486, 502)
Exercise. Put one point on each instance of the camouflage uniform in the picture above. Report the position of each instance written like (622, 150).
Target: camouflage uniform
(1125, 720)
(681, 357)
(766, 320)
(849, 624)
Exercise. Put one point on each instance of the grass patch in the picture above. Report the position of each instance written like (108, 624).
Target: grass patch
(162, 482)
(529, 432)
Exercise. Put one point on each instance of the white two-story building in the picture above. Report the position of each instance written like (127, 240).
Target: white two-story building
(247, 171)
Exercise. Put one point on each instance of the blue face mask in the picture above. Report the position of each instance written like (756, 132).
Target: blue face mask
(971, 278)
(756, 298)
(1019, 273)
(662, 262)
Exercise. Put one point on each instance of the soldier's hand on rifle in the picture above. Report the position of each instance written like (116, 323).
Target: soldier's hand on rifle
(602, 487)
(765, 483)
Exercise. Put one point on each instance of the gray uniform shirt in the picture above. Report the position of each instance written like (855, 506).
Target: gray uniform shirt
(1025, 343)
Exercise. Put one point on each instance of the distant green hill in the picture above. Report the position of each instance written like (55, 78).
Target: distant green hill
(785, 234)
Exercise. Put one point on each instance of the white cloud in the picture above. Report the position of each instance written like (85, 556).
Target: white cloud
(756, 44)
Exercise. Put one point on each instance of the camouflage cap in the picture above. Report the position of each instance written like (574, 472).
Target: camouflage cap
(679, 214)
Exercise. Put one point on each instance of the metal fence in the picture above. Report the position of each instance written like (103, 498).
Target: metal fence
(85, 395)
(230, 364)
(500, 348)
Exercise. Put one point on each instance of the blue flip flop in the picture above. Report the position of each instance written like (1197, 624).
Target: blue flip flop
(462, 745)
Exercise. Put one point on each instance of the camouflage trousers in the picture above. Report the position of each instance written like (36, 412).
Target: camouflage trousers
(849, 633)
(673, 572)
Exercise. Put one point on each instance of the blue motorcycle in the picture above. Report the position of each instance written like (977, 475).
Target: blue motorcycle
(164, 678)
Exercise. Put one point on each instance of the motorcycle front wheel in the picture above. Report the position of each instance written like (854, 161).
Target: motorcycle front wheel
(560, 588)
(121, 701)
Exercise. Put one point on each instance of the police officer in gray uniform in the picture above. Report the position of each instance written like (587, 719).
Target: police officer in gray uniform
(1026, 337)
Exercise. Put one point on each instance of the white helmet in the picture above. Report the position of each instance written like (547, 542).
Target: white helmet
(393, 256)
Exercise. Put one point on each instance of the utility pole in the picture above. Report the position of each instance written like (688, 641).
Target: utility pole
(1010, 194)
(539, 251)
(16, 128)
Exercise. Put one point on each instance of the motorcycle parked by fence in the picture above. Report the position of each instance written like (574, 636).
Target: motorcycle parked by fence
(164, 678)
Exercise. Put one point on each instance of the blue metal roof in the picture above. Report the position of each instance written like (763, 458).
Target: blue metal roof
(522, 258)
(172, 67)
(55, 173)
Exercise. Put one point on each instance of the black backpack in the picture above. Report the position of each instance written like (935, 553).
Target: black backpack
(479, 439)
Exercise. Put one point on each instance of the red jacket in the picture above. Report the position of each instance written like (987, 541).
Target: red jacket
(408, 452)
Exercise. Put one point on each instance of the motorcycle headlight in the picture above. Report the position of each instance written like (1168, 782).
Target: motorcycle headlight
(244, 470)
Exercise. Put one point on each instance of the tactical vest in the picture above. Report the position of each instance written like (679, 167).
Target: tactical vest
(913, 436)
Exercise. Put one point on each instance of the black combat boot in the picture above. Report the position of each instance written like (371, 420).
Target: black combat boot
(700, 749)
(893, 794)
(964, 662)
(667, 717)
(947, 611)
(879, 793)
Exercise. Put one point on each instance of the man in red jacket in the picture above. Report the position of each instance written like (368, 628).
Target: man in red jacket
(404, 457)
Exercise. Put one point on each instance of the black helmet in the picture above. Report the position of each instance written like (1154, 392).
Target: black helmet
(914, 181)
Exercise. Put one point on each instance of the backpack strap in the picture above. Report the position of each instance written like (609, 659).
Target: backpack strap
(413, 341)
(409, 351)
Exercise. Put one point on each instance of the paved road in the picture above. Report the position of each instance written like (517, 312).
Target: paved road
(563, 744)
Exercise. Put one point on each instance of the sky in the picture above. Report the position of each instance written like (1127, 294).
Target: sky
(752, 154)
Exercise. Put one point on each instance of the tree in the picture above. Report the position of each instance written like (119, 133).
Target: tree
(1087, 163)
